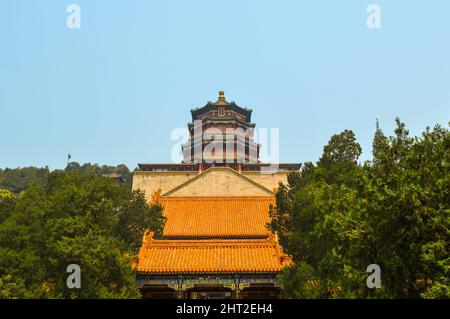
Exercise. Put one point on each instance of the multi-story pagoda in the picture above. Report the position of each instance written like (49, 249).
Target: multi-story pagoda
(226, 129)
(215, 242)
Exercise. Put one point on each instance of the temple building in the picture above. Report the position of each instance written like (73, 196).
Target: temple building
(215, 242)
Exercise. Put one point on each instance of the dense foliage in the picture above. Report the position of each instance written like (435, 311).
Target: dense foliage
(101, 170)
(338, 216)
(16, 180)
(72, 218)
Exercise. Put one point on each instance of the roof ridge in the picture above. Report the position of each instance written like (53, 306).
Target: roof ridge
(255, 256)
(259, 242)
(219, 198)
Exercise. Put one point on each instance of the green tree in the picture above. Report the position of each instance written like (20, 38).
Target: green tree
(409, 211)
(101, 170)
(18, 179)
(341, 148)
(318, 223)
(80, 219)
(338, 216)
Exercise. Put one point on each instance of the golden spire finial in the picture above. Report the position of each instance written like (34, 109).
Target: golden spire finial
(221, 95)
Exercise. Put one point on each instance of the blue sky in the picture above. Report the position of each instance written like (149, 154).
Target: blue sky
(113, 91)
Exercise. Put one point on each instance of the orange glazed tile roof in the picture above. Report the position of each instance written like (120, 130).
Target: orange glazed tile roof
(216, 217)
(211, 256)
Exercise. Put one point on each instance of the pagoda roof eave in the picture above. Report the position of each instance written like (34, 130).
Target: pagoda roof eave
(229, 105)
(209, 119)
(211, 256)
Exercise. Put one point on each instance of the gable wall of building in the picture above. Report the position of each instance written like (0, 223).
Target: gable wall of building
(152, 181)
(219, 183)
(269, 181)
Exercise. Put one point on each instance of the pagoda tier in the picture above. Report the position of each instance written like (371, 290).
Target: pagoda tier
(221, 132)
